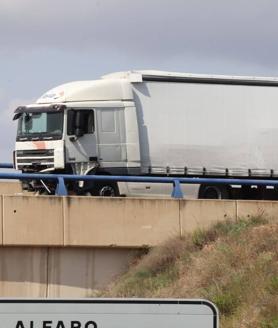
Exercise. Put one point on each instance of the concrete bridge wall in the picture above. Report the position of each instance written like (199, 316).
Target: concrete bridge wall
(112, 222)
(71, 246)
(10, 187)
(59, 272)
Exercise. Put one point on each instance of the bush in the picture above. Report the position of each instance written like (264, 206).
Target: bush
(233, 264)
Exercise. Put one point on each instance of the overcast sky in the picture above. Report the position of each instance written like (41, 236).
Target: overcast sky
(44, 43)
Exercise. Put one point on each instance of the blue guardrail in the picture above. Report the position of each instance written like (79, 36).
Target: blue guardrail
(61, 189)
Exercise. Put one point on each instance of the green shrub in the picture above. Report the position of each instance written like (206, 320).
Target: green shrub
(227, 302)
(273, 285)
(270, 323)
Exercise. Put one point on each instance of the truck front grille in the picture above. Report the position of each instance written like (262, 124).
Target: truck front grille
(37, 157)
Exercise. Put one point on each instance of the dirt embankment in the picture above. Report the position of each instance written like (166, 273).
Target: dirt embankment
(235, 265)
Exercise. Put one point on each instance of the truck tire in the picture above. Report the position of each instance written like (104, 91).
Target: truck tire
(214, 192)
(105, 189)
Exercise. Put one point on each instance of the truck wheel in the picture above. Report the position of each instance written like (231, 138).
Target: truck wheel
(214, 192)
(105, 189)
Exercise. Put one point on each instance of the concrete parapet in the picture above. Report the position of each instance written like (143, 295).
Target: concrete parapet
(10, 187)
(1, 220)
(203, 213)
(120, 222)
(250, 208)
(31, 220)
(113, 222)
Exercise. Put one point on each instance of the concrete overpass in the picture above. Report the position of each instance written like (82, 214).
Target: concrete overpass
(70, 246)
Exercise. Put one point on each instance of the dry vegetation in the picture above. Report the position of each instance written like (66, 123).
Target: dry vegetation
(235, 265)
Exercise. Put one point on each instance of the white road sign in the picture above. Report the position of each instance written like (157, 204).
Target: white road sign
(107, 313)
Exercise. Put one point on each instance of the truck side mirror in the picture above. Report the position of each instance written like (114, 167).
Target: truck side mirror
(17, 116)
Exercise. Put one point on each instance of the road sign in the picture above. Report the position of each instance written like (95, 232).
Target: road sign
(107, 313)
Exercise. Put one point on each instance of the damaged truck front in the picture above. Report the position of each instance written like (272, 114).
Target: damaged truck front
(81, 128)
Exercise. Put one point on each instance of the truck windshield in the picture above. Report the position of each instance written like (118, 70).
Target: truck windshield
(35, 126)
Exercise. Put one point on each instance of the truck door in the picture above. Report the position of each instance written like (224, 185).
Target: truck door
(111, 137)
(81, 136)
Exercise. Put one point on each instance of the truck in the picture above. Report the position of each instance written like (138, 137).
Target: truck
(153, 123)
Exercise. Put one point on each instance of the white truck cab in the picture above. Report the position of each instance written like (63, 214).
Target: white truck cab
(80, 128)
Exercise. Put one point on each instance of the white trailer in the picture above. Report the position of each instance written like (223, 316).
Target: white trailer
(154, 123)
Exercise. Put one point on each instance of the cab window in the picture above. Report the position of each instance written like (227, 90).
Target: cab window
(83, 119)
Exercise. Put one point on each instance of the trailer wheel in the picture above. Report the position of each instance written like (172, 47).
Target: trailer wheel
(105, 189)
(214, 192)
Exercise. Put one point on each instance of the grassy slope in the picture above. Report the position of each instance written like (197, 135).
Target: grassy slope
(235, 265)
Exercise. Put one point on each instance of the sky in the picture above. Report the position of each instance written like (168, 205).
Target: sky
(44, 43)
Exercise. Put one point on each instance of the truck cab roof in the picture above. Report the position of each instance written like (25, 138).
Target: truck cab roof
(95, 90)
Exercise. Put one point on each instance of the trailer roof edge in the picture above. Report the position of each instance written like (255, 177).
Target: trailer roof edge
(137, 76)
(210, 80)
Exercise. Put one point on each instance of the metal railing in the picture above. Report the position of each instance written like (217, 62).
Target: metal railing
(61, 188)
(6, 166)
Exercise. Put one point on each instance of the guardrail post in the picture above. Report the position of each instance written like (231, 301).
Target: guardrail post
(61, 189)
(177, 192)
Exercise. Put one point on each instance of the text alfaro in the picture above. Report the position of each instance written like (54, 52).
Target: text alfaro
(56, 324)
